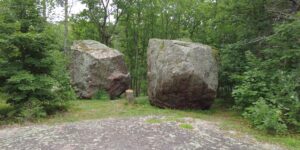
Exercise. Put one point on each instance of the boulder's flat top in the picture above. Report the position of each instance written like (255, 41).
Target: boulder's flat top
(138, 133)
(94, 48)
(181, 43)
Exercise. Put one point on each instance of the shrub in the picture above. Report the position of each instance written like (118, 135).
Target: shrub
(268, 91)
(265, 117)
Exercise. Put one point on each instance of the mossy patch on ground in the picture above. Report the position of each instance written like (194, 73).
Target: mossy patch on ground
(154, 121)
(186, 126)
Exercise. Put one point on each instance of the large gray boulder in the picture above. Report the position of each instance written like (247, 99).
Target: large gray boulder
(95, 67)
(181, 75)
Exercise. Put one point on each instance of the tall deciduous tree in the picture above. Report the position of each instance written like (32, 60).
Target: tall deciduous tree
(66, 30)
(100, 13)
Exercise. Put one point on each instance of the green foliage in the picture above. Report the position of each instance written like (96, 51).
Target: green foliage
(32, 68)
(101, 95)
(137, 23)
(259, 56)
(186, 126)
(265, 117)
(257, 41)
(154, 121)
(268, 90)
(253, 85)
(83, 29)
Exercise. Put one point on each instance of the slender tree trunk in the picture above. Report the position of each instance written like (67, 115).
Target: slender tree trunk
(136, 61)
(136, 47)
(138, 57)
(100, 35)
(66, 32)
(44, 5)
(127, 47)
(104, 24)
(167, 27)
(152, 26)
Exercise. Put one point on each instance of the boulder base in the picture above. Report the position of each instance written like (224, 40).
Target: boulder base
(95, 67)
(181, 75)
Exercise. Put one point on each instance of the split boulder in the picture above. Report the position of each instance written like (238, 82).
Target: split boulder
(95, 67)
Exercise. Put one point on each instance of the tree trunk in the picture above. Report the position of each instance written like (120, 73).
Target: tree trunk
(66, 3)
(136, 62)
(100, 37)
(44, 5)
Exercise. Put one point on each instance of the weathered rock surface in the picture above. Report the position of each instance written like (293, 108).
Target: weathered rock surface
(97, 67)
(129, 134)
(181, 74)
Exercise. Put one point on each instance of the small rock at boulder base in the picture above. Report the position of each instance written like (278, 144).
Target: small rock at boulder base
(95, 67)
(181, 75)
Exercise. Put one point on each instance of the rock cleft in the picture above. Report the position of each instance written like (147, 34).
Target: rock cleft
(96, 67)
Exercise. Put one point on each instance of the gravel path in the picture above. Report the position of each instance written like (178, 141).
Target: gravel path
(139, 133)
